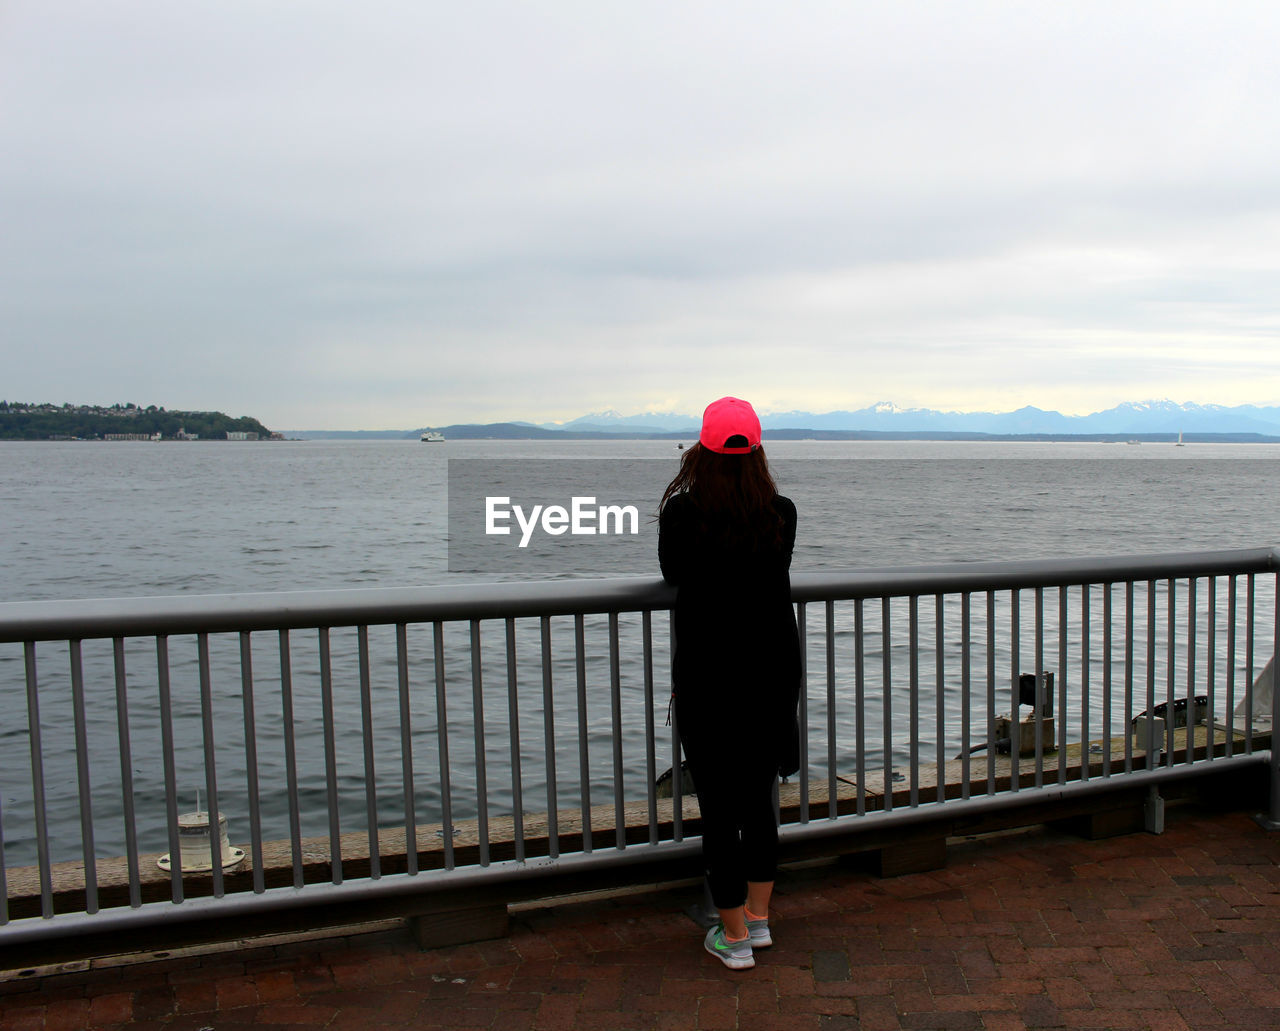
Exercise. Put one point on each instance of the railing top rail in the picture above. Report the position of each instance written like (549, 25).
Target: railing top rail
(955, 577)
(215, 613)
(188, 614)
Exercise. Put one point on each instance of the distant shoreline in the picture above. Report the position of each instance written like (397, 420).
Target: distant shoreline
(512, 431)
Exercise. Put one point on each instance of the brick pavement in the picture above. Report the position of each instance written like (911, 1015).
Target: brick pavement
(1036, 930)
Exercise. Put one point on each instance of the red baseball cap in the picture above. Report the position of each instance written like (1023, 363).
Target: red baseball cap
(730, 426)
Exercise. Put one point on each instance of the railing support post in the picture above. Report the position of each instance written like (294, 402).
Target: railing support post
(1271, 819)
(1153, 811)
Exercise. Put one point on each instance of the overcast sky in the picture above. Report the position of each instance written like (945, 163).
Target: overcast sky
(331, 215)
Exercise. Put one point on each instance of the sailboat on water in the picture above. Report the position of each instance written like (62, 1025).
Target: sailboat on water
(1179, 444)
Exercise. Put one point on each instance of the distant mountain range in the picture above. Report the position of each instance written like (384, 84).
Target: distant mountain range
(1135, 417)
(1132, 419)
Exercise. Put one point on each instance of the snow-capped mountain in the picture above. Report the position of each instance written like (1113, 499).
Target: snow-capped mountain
(613, 421)
(1170, 417)
(1131, 417)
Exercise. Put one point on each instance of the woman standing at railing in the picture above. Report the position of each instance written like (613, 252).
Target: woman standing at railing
(725, 540)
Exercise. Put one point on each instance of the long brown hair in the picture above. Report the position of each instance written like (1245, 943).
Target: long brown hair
(734, 493)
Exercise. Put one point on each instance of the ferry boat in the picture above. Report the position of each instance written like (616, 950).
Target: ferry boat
(432, 437)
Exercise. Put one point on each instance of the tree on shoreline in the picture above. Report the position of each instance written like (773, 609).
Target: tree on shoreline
(20, 421)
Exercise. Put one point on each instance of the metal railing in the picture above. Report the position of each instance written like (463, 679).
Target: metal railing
(391, 742)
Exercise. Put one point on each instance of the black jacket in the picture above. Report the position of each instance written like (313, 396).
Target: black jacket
(737, 652)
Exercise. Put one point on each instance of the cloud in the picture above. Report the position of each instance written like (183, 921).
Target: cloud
(507, 210)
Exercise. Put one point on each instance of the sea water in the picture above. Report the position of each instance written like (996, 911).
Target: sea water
(104, 520)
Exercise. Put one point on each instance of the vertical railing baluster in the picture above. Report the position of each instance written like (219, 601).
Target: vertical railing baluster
(1015, 657)
(913, 624)
(1211, 673)
(1274, 808)
(126, 773)
(366, 738)
(615, 709)
(170, 770)
(802, 631)
(1152, 755)
(1192, 620)
(330, 756)
(966, 700)
(1040, 686)
(442, 746)
(1086, 684)
(1171, 674)
(991, 692)
(833, 789)
(584, 758)
(1107, 644)
(1249, 615)
(886, 703)
(210, 754)
(406, 750)
(650, 734)
(477, 722)
(251, 761)
(290, 758)
(1062, 689)
(4, 878)
(1128, 675)
(677, 772)
(85, 788)
(549, 742)
(939, 713)
(37, 788)
(513, 727)
(860, 704)
(1232, 615)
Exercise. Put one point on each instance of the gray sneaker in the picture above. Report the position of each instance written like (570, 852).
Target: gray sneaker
(734, 955)
(759, 931)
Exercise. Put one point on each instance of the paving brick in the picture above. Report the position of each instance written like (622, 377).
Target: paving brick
(976, 1003)
(195, 998)
(152, 1003)
(945, 979)
(830, 966)
(878, 1015)
(295, 1013)
(601, 995)
(111, 1008)
(1252, 1017)
(66, 1015)
(1003, 1022)
(717, 1013)
(941, 1021)
(757, 997)
(912, 997)
(1026, 931)
(1068, 993)
(388, 1005)
(234, 993)
(556, 1008)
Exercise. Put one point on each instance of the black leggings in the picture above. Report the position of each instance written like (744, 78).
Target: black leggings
(739, 826)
